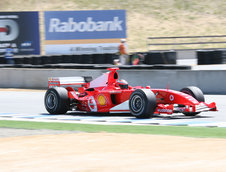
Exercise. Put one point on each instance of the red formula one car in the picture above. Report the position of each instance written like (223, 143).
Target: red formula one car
(108, 94)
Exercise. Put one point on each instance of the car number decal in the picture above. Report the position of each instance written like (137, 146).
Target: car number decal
(92, 104)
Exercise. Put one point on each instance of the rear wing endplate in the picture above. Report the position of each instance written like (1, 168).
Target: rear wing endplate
(68, 81)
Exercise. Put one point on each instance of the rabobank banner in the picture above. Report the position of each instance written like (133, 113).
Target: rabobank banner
(84, 32)
(20, 31)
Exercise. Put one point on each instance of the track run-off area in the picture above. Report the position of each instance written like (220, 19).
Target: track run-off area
(42, 150)
(28, 105)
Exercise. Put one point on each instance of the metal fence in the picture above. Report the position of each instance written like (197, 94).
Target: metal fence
(186, 42)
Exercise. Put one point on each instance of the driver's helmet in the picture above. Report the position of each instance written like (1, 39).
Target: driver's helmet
(123, 84)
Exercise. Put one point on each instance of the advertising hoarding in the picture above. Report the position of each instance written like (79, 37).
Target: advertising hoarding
(20, 30)
(84, 32)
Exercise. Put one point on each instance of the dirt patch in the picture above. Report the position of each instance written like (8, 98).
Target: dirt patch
(11, 132)
(111, 152)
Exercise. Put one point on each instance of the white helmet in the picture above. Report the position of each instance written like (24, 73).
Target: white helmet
(123, 40)
(123, 84)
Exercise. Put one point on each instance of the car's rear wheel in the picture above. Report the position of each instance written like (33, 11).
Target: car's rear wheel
(197, 94)
(57, 101)
(142, 103)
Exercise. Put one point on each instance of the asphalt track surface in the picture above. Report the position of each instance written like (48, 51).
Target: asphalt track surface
(29, 105)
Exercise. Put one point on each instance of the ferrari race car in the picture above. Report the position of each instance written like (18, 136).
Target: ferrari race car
(108, 94)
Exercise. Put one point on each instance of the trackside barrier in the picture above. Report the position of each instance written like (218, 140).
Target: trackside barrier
(149, 58)
(58, 59)
(185, 43)
(98, 66)
(166, 57)
(211, 56)
(210, 81)
(176, 42)
(2, 60)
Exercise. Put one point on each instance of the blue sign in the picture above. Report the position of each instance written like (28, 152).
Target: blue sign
(84, 32)
(20, 31)
(74, 25)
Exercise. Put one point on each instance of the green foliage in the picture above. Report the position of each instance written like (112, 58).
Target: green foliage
(134, 129)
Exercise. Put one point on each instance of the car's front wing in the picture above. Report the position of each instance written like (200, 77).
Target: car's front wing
(201, 107)
(169, 108)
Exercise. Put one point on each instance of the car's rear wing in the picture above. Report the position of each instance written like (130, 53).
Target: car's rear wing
(68, 81)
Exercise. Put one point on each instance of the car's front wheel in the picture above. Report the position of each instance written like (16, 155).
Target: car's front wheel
(56, 100)
(142, 103)
(197, 94)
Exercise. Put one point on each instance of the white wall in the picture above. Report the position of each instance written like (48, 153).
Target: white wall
(210, 81)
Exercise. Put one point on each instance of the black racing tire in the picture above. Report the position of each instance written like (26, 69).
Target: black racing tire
(142, 103)
(197, 94)
(56, 100)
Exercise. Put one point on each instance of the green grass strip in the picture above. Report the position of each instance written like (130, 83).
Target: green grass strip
(213, 132)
